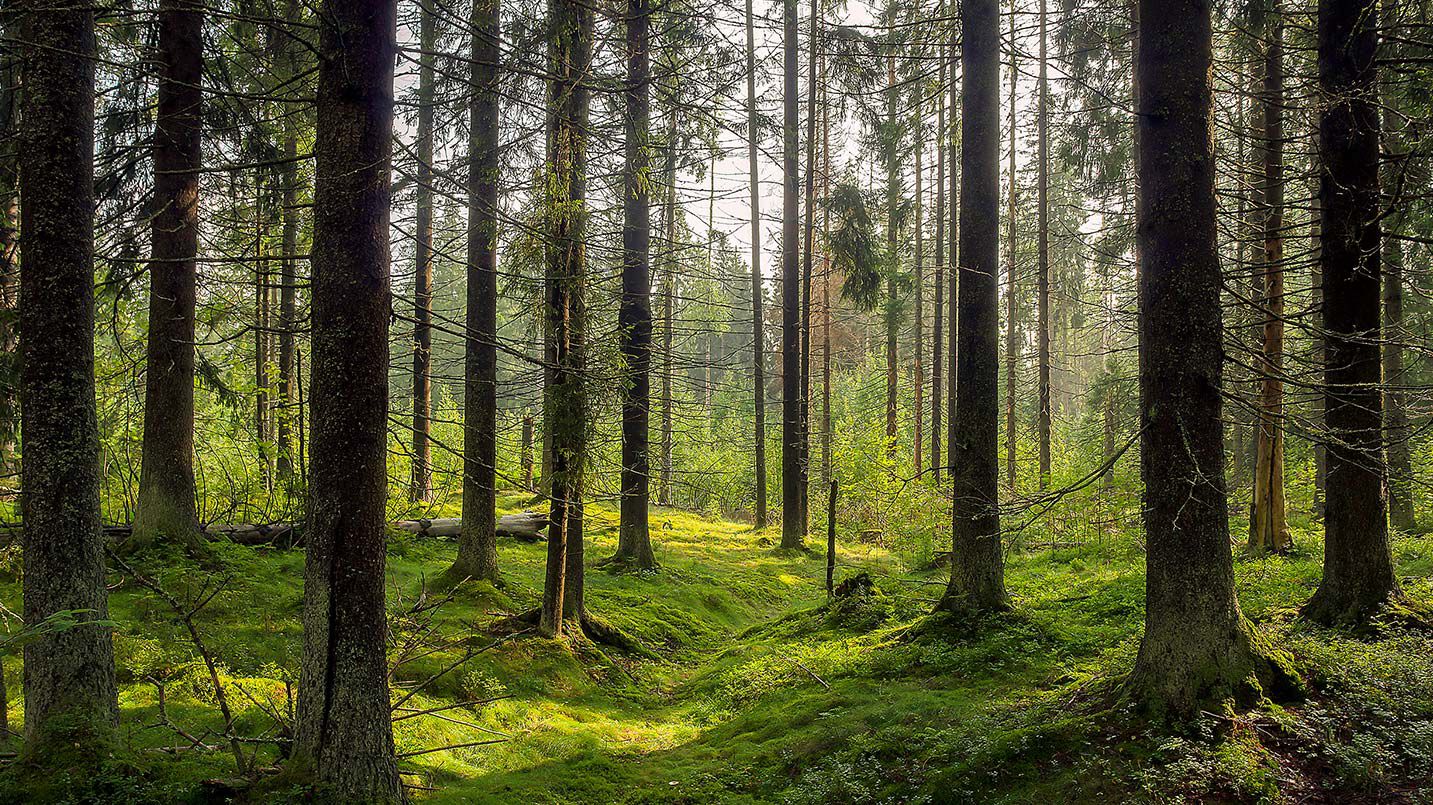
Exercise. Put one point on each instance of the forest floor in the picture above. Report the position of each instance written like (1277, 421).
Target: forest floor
(758, 690)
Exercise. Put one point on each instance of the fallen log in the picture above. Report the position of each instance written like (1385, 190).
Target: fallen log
(525, 526)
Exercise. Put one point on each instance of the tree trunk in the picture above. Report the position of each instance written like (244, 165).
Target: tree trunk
(1268, 527)
(526, 459)
(1012, 343)
(477, 547)
(570, 50)
(918, 351)
(1358, 575)
(977, 580)
(1399, 434)
(826, 311)
(793, 533)
(669, 290)
(166, 481)
(758, 339)
(289, 405)
(1318, 353)
(634, 318)
(1043, 253)
(344, 738)
(807, 266)
(263, 343)
(892, 255)
(9, 263)
(952, 234)
(420, 487)
(937, 360)
(1197, 649)
(69, 674)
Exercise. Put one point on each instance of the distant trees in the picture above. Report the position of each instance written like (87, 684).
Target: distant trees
(1197, 645)
(344, 738)
(166, 483)
(977, 580)
(70, 692)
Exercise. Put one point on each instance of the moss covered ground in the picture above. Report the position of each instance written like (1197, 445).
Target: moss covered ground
(762, 691)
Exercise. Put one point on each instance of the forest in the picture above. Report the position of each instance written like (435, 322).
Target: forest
(695, 401)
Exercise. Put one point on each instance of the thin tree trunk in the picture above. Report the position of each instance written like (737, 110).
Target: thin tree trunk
(570, 51)
(1358, 575)
(263, 324)
(977, 580)
(1268, 527)
(826, 311)
(477, 541)
(952, 234)
(919, 348)
(892, 255)
(289, 406)
(1012, 344)
(9, 262)
(166, 482)
(69, 677)
(1317, 358)
(1399, 434)
(807, 266)
(669, 291)
(937, 361)
(1197, 648)
(1043, 250)
(634, 318)
(792, 528)
(420, 487)
(758, 339)
(344, 736)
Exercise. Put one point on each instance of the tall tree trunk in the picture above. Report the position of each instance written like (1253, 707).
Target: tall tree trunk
(952, 235)
(570, 50)
(1318, 351)
(9, 262)
(420, 487)
(977, 575)
(1358, 565)
(919, 348)
(69, 674)
(892, 254)
(344, 737)
(793, 533)
(166, 482)
(289, 405)
(669, 291)
(477, 541)
(634, 318)
(263, 326)
(1043, 251)
(1012, 343)
(826, 311)
(1268, 527)
(1399, 434)
(758, 344)
(808, 262)
(937, 360)
(1197, 646)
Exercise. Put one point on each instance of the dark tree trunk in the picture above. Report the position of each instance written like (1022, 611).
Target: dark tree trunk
(1358, 565)
(952, 235)
(1042, 339)
(918, 350)
(570, 51)
(793, 532)
(634, 318)
(9, 262)
(263, 342)
(1268, 526)
(289, 405)
(166, 481)
(669, 272)
(1012, 344)
(808, 263)
(477, 545)
(937, 361)
(69, 674)
(344, 738)
(420, 486)
(758, 339)
(977, 577)
(1318, 352)
(1197, 647)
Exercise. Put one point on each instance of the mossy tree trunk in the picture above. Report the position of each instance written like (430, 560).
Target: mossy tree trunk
(166, 509)
(634, 318)
(69, 674)
(477, 541)
(565, 399)
(1358, 575)
(1197, 646)
(344, 738)
(977, 573)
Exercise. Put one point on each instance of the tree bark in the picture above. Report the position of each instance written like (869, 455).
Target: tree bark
(570, 52)
(344, 738)
(977, 580)
(1043, 252)
(69, 674)
(919, 348)
(634, 318)
(758, 338)
(166, 510)
(420, 487)
(1358, 575)
(1197, 649)
(669, 289)
(1268, 527)
(892, 254)
(1399, 434)
(953, 236)
(289, 408)
(937, 360)
(1012, 343)
(9, 262)
(477, 547)
(808, 262)
(793, 533)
